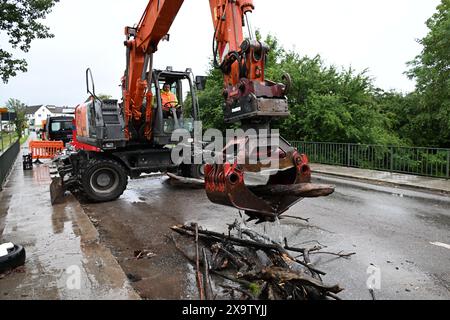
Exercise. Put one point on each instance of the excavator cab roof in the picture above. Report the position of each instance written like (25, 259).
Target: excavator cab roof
(170, 76)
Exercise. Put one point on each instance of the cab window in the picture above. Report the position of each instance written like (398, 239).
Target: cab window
(61, 126)
(56, 126)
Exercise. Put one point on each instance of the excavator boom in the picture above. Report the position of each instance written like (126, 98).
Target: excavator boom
(250, 99)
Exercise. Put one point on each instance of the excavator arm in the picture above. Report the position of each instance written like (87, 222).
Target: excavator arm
(248, 95)
(250, 99)
(141, 42)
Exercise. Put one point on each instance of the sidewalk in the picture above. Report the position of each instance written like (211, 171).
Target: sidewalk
(397, 179)
(65, 259)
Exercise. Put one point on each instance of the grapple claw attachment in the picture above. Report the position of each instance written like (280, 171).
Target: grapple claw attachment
(227, 184)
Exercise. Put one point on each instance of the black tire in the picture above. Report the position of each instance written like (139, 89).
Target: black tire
(184, 171)
(103, 180)
(15, 258)
(198, 171)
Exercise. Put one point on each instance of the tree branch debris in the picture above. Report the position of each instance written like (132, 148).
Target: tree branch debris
(251, 266)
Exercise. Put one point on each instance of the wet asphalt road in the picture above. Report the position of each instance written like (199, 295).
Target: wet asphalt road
(401, 232)
(62, 246)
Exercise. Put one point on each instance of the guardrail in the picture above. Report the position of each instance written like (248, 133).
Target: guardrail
(7, 160)
(431, 162)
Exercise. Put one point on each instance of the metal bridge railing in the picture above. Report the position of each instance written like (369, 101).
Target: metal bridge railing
(432, 162)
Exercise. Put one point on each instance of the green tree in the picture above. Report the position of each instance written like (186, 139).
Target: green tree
(19, 109)
(103, 96)
(19, 19)
(326, 103)
(431, 70)
(211, 101)
(400, 111)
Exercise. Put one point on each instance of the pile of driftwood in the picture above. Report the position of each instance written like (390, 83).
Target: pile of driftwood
(250, 266)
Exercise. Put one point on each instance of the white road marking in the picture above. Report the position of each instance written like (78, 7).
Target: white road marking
(440, 244)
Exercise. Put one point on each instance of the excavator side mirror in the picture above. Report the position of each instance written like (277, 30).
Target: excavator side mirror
(200, 82)
(89, 76)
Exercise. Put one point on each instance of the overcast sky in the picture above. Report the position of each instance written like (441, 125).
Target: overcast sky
(375, 34)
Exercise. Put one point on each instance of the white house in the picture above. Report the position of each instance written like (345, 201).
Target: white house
(36, 114)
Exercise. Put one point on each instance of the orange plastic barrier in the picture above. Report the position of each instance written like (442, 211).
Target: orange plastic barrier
(45, 149)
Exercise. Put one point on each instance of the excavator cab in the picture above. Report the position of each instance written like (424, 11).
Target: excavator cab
(172, 115)
(100, 122)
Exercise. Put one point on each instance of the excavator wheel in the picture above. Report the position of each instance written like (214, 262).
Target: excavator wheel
(197, 171)
(103, 180)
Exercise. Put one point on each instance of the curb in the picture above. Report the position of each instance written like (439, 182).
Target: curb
(384, 182)
(90, 236)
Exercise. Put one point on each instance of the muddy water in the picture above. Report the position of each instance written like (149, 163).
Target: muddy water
(383, 229)
(140, 220)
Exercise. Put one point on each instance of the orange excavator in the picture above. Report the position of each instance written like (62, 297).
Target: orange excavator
(114, 141)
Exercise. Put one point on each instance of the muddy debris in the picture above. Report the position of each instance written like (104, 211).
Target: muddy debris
(10, 272)
(95, 222)
(249, 266)
(133, 277)
(143, 254)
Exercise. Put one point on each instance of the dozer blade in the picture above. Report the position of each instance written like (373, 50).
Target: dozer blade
(57, 191)
(226, 185)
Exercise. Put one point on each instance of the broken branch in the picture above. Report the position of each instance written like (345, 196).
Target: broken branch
(293, 217)
(339, 254)
(206, 278)
(197, 264)
(236, 241)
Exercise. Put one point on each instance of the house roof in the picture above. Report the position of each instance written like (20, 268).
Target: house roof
(54, 109)
(32, 109)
